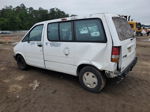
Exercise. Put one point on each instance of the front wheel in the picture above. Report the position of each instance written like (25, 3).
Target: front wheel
(92, 79)
(21, 63)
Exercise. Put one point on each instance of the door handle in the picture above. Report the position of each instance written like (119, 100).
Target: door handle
(39, 45)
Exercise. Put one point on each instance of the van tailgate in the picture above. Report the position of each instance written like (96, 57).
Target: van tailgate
(126, 40)
(128, 52)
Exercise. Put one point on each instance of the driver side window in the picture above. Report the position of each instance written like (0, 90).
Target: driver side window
(35, 34)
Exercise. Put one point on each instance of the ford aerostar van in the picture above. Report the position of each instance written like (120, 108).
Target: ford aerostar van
(94, 48)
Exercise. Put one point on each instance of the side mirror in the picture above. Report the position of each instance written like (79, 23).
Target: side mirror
(28, 41)
(28, 38)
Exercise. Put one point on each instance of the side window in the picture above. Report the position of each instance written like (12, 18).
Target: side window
(66, 31)
(36, 33)
(89, 30)
(52, 31)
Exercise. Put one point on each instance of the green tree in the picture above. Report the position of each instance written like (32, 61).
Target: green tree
(57, 13)
(22, 18)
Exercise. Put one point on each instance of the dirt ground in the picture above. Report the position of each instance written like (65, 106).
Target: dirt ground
(38, 90)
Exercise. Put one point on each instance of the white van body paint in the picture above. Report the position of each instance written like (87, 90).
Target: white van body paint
(66, 57)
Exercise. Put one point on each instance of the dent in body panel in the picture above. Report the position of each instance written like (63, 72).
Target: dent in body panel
(97, 54)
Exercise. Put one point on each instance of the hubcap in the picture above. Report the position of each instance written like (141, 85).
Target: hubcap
(90, 80)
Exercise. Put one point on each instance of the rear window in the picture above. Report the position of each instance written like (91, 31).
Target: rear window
(123, 28)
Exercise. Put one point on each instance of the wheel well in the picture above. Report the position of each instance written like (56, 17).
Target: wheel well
(17, 56)
(82, 66)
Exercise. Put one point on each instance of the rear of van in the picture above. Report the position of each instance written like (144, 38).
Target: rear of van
(124, 50)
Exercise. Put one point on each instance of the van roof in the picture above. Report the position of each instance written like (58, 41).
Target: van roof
(77, 17)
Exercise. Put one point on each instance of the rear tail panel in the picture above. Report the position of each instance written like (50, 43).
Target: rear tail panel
(127, 42)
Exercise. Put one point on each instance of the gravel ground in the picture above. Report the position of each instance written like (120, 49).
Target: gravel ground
(38, 90)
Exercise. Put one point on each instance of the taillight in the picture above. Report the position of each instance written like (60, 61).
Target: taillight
(115, 54)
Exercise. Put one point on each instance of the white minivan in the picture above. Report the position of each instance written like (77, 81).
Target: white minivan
(94, 48)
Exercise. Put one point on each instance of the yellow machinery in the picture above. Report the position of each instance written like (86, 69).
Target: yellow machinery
(136, 27)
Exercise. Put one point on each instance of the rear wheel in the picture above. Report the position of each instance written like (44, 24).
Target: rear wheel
(92, 79)
(21, 63)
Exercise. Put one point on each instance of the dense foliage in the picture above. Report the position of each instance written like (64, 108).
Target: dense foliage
(22, 18)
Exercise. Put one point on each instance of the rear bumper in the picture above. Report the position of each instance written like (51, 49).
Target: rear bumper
(128, 68)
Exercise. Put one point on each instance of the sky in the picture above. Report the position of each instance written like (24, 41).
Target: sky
(139, 10)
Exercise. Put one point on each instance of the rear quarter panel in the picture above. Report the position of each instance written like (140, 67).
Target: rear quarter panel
(97, 54)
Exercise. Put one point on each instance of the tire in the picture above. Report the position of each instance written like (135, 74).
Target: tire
(21, 63)
(92, 79)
